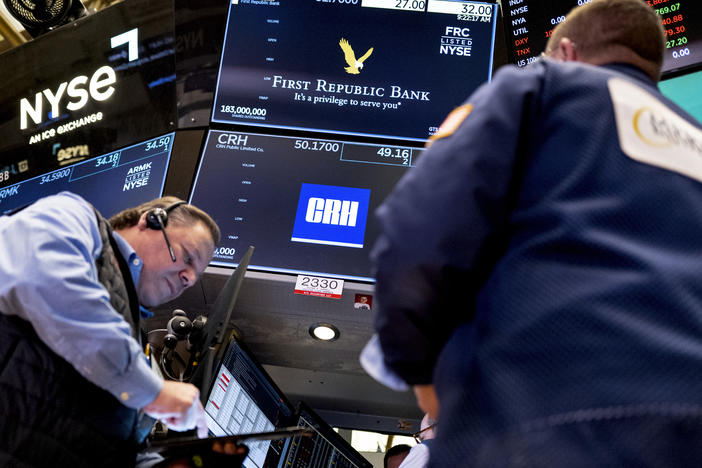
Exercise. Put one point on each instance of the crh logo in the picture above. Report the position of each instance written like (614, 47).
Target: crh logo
(332, 211)
(327, 214)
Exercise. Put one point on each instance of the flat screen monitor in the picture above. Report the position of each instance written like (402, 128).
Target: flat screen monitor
(111, 182)
(685, 91)
(91, 87)
(386, 68)
(244, 399)
(530, 23)
(326, 448)
(306, 204)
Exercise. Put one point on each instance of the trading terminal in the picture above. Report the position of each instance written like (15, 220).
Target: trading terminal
(288, 122)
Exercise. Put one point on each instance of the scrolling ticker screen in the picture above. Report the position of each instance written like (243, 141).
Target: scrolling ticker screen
(111, 182)
(530, 23)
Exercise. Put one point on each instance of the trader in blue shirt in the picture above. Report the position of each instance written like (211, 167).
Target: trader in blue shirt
(539, 273)
(74, 378)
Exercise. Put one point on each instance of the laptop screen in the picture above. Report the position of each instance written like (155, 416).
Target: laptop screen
(326, 448)
(243, 399)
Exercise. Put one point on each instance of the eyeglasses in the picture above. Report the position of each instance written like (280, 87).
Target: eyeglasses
(416, 435)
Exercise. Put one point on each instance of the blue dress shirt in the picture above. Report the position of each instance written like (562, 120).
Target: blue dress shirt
(49, 278)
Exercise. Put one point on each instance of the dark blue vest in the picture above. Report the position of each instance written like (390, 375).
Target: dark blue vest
(52, 416)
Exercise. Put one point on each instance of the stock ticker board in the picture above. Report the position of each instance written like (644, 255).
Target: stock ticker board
(530, 23)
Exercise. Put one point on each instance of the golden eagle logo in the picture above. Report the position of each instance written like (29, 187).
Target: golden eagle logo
(354, 65)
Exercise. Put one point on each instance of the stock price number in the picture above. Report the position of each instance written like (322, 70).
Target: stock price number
(314, 145)
(4, 176)
(160, 143)
(55, 176)
(676, 42)
(243, 110)
(675, 31)
(347, 2)
(473, 9)
(684, 52)
(410, 5)
(667, 9)
(400, 153)
(672, 19)
(109, 160)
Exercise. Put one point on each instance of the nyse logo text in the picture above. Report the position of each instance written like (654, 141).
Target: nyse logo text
(78, 90)
(99, 88)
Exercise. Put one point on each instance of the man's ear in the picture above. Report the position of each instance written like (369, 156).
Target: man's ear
(566, 50)
(141, 225)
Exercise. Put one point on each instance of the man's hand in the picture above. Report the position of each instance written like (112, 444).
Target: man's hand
(427, 400)
(178, 406)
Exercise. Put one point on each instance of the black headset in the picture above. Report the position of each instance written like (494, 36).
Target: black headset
(157, 218)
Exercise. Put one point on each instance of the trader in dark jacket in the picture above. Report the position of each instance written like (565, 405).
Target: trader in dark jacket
(550, 299)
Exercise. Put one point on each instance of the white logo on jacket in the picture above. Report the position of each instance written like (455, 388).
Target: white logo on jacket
(651, 133)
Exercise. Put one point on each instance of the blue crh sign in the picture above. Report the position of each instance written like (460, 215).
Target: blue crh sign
(327, 214)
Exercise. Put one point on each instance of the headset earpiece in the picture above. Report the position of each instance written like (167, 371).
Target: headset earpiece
(157, 218)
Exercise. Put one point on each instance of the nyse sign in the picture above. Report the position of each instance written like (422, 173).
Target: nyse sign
(104, 82)
(99, 87)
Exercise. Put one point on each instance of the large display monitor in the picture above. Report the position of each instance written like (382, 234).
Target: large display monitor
(91, 87)
(244, 399)
(306, 204)
(111, 182)
(529, 24)
(386, 68)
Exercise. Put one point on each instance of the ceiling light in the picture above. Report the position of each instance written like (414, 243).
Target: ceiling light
(324, 332)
